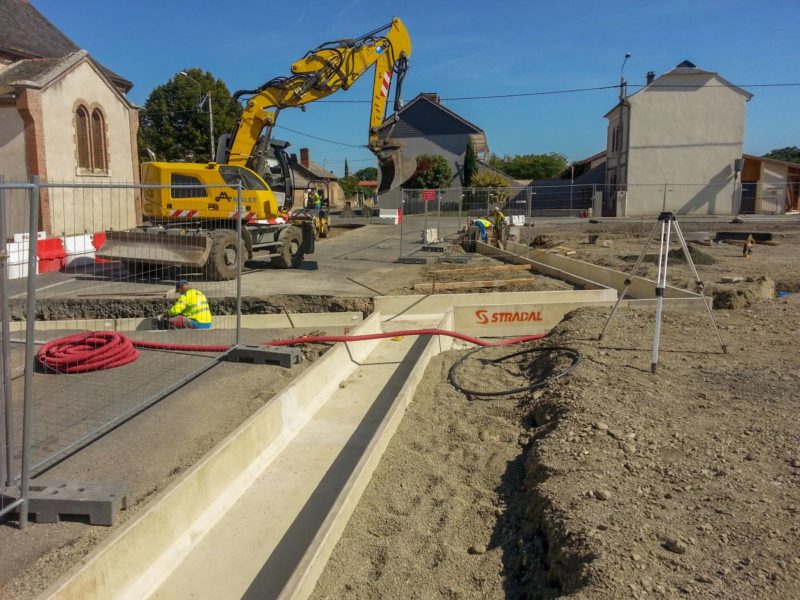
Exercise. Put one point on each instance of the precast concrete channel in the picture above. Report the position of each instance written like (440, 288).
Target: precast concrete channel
(259, 515)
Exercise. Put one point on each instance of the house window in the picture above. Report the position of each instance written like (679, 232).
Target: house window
(99, 162)
(84, 143)
(91, 140)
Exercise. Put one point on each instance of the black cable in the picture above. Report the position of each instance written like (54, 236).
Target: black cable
(574, 353)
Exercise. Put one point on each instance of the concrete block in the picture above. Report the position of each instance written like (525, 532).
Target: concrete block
(285, 356)
(101, 501)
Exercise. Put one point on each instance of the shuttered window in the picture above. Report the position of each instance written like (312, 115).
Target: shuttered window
(83, 138)
(99, 162)
(90, 134)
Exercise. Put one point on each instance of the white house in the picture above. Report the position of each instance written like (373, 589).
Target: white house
(65, 118)
(674, 145)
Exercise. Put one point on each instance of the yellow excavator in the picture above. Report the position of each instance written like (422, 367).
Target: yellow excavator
(190, 209)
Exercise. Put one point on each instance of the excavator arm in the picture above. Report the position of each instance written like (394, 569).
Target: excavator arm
(320, 73)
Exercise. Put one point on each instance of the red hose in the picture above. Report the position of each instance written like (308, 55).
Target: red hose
(84, 351)
(87, 352)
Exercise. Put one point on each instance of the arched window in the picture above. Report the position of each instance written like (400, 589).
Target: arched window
(83, 139)
(91, 139)
(98, 141)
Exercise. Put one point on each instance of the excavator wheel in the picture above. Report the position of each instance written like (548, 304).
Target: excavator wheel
(223, 259)
(292, 252)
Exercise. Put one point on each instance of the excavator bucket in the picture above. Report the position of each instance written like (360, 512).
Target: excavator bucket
(395, 166)
(140, 247)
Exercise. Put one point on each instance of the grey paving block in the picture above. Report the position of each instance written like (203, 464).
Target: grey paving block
(285, 356)
(101, 501)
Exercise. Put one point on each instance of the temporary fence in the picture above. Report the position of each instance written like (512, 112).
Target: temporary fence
(437, 214)
(83, 260)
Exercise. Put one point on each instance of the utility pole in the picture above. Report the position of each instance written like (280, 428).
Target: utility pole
(622, 94)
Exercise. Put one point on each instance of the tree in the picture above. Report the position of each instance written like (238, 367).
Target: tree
(433, 172)
(499, 187)
(470, 164)
(367, 174)
(346, 168)
(174, 127)
(788, 154)
(531, 166)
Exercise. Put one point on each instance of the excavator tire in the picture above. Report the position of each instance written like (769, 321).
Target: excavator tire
(223, 259)
(292, 252)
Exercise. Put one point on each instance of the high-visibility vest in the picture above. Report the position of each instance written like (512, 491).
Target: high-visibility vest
(499, 219)
(484, 222)
(192, 304)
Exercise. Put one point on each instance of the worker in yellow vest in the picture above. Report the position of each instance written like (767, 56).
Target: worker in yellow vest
(499, 227)
(483, 226)
(191, 311)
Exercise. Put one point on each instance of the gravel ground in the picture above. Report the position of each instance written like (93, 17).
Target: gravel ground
(610, 483)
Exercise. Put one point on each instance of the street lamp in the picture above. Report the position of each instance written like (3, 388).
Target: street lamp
(622, 91)
(205, 98)
(622, 78)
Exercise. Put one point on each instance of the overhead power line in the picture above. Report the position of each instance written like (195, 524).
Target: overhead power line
(321, 139)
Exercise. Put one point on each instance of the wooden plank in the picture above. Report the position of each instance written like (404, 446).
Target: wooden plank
(481, 270)
(461, 285)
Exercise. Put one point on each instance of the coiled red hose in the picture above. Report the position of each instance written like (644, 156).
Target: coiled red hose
(87, 352)
(104, 350)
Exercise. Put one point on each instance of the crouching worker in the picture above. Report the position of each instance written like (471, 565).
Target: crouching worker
(483, 226)
(190, 311)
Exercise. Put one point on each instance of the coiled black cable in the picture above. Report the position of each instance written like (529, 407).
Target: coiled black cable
(572, 352)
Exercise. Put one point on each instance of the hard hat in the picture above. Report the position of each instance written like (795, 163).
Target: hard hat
(497, 208)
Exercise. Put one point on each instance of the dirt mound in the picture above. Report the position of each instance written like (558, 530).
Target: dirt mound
(743, 295)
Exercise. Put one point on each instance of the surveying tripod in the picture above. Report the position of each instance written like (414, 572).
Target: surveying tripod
(668, 222)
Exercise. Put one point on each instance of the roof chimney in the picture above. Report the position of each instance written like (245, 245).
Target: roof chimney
(304, 157)
(433, 96)
(651, 76)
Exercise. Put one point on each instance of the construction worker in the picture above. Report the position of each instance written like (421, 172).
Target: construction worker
(190, 311)
(314, 201)
(749, 245)
(499, 224)
(483, 226)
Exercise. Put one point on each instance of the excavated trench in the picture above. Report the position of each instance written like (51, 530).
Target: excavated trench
(52, 309)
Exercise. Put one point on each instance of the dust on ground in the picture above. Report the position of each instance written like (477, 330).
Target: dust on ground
(613, 482)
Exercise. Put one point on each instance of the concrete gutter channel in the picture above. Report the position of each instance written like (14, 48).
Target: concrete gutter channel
(259, 515)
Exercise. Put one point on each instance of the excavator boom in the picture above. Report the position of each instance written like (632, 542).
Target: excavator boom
(331, 67)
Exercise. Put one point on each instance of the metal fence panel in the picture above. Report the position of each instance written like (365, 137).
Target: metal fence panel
(86, 283)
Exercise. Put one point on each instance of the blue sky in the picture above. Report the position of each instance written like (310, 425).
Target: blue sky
(464, 48)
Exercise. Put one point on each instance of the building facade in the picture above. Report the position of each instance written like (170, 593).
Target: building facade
(64, 118)
(673, 145)
(425, 126)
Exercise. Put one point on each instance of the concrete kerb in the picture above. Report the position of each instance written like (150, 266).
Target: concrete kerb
(577, 271)
(304, 578)
(270, 321)
(552, 304)
(168, 528)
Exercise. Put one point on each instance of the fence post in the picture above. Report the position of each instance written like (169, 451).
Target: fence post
(425, 210)
(460, 206)
(6, 447)
(30, 321)
(239, 261)
(438, 213)
(402, 207)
